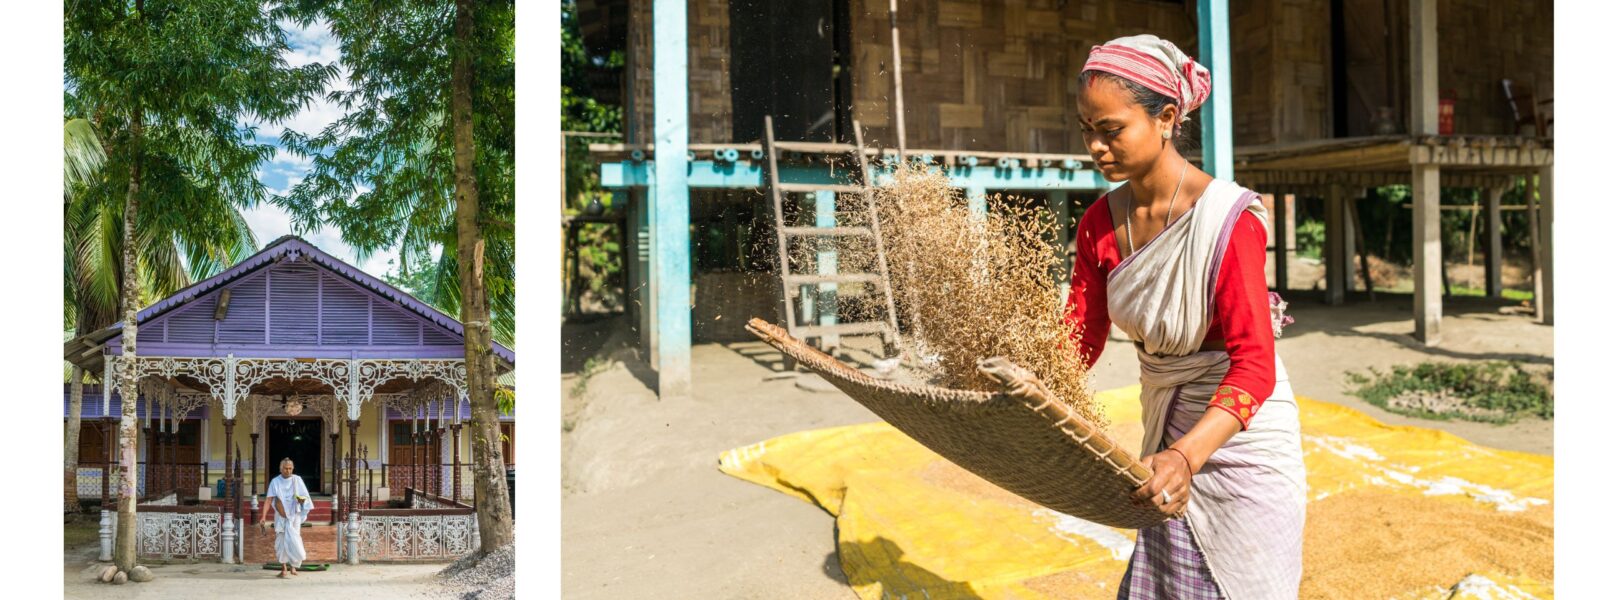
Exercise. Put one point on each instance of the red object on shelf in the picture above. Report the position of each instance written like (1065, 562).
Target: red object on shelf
(1447, 114)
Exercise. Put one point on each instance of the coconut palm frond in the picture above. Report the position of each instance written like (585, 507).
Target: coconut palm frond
(82, 153)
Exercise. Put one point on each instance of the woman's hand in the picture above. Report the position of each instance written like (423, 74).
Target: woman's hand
(1170, 475)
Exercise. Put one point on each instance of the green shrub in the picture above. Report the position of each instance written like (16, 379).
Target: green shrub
(1494, 391)
(1309, 238)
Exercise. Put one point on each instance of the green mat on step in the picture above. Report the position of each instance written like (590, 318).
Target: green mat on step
(303, 567)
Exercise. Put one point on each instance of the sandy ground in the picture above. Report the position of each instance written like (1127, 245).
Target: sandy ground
(645, 513)
(211, 580)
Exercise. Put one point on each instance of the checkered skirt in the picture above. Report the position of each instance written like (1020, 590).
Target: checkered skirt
(1168, 565)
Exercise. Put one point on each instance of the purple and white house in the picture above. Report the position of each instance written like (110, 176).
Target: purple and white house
(291, 353)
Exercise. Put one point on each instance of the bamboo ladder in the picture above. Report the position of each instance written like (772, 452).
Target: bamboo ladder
(888, 331)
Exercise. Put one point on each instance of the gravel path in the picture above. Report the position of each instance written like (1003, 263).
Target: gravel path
(492, 578)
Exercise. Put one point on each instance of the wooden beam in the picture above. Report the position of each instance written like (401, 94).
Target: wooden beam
(670, 196)
(1493, 246)
(1547, 264)
(1281, 233)
(1426, 254)
(1346, 214)
(1361, 247)
(222, 305)
(1216, 116)
(899, 99)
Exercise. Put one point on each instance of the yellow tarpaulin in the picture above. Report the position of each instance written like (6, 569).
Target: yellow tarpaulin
(1392, 511)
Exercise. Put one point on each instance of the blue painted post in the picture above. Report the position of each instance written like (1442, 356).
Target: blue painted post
(670, 197)
(651, 256)
(1062, 209)
(978, 202)
(1216, 115)
(827, 264)
(746, 175)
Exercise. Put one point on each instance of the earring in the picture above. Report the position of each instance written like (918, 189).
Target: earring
(1166, 135)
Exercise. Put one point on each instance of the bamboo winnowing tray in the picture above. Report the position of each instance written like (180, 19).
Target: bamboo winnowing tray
(1023, 440)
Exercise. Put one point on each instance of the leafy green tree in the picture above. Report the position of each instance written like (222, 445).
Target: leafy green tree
(168, 82)
(599, 245)
(420, 279)
(93, 260)
(425, 157)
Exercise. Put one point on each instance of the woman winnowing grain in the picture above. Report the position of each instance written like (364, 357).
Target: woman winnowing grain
(1176, 259)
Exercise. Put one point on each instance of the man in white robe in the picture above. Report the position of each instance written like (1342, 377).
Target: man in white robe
(289, 503)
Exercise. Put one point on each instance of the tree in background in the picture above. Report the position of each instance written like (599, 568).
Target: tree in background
(420, 278)
(599, 245)
(167, 84)
(425, 157)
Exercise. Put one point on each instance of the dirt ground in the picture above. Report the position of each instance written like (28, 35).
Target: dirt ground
(645, 513)
(211, 580)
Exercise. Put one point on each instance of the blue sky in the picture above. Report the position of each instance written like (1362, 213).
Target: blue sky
(311, 44)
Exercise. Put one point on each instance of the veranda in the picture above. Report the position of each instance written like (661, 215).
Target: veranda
(360, 384)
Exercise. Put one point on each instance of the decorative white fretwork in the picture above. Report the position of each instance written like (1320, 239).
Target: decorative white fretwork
(209, 372)
(167, 535)
(372, 373)
(228, 380)
(418, 537)
(251, 371)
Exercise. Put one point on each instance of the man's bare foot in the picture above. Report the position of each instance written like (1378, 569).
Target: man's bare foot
(282, 575)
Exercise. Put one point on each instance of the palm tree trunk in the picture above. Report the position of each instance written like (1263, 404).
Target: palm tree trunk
(128, 445)
(489, 472)
(74, 427)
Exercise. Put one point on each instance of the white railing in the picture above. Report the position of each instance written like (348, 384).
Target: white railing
(417, 536)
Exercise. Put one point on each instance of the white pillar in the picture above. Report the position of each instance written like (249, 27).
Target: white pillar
(105, 527)
(353, 539)
(227, 538)
(1335, 258)
(1426, 254)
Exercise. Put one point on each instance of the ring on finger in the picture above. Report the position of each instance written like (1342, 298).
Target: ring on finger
(1166, 497)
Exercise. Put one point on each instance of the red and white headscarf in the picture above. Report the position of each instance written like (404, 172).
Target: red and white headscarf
(1156, 64)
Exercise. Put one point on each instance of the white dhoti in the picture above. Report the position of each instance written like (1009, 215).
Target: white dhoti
(288, 545)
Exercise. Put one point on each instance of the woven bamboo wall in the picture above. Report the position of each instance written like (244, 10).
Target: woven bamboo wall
(710, 100)
(990, 75)
(1484, 41)
(1301, 53)
(1003, 76)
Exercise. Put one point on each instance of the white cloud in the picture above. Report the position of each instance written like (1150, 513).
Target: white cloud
(269, 222)
(314, 43)
(285, 162)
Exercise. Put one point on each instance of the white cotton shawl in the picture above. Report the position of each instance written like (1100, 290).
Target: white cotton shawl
(1247, 504)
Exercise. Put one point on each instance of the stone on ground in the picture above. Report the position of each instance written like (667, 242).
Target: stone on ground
(141, 574)
(109, 572)
(120, 579)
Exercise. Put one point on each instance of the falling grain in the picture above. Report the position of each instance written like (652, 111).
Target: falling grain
(974, 288)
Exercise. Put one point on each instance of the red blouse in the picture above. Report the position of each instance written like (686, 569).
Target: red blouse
(1241, 320)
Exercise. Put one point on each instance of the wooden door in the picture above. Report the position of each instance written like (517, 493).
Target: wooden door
(91, 443)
